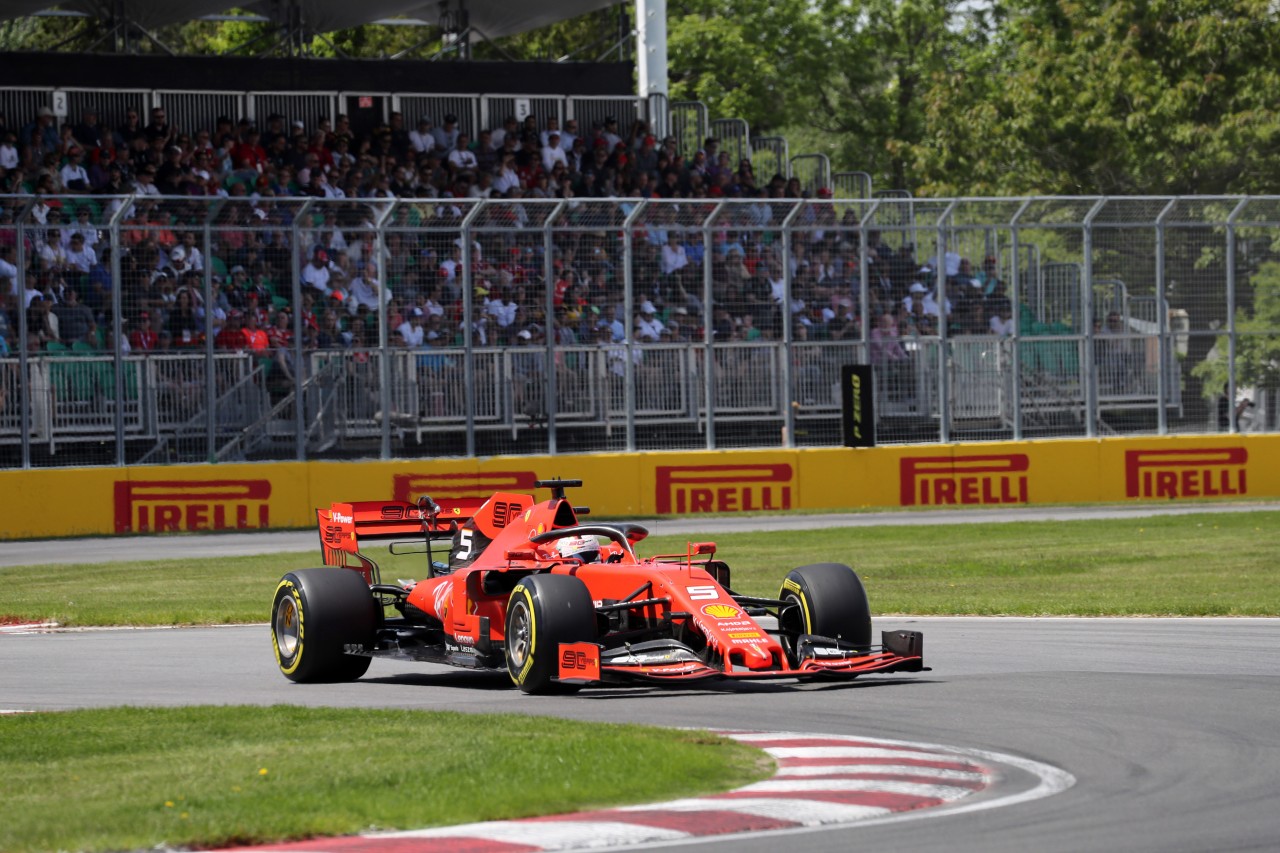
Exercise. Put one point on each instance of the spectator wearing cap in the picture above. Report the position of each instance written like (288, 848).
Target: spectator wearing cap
(446, 136)
(553, 153)
(43, 132)
(174, 175)
(412, 330)
(647, 325)
(75, 179)
(317, 274)
(145, 182)
(646, 156)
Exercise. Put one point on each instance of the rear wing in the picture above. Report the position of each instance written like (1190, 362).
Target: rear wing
(345, 525)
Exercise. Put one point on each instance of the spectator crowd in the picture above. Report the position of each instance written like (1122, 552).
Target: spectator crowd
(163, 182)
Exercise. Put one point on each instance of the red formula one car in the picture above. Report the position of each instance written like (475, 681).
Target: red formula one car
(559, 604)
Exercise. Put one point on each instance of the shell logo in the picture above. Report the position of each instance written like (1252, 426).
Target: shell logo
(721, 611)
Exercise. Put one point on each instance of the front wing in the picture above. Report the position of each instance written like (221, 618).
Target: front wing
(584, 663)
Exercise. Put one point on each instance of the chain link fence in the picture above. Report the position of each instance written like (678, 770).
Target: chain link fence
(154, 330)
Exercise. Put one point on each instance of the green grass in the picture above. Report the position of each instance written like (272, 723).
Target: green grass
(134, 778)
(1196, 565)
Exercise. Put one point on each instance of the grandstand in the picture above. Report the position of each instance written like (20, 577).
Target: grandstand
(222, 275)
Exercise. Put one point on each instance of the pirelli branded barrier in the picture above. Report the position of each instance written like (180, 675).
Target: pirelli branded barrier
(97, 501)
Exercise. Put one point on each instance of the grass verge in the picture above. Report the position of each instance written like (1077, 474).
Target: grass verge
(1194, 565)
(134, 778)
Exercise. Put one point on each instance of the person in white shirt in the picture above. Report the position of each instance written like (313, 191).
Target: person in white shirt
(74, 177)
(552, 153)
(365, 289)
(462, 157)
(411, 329)
(510, 127)
(84, 228)
(648, 326)
(569, 135)
(316, 273)
(501, 308)
(674, 257)
(421, 139)
(507, 178)
(79, 256)
(8, 271)
(9, 158)
(52, 256)
(195, 258)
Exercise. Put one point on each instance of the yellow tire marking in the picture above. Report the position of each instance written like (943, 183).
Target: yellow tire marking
(297, 603)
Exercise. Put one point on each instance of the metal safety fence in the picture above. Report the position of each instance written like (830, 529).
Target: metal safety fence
(140, 330)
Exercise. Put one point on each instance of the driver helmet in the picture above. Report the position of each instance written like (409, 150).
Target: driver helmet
(585, 548)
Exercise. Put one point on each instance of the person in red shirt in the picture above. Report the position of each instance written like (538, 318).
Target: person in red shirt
(250, 151)
(143, 338)
(232, 334)
(280, 334)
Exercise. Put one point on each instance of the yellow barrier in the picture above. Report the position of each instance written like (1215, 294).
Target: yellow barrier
(98, 501)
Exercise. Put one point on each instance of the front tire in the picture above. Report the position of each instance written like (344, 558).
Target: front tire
(828, 601)
(543, 612)
(317, 615)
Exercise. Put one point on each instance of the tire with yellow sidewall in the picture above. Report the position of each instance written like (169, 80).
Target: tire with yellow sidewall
(543, 612)
(317, 617)
(830, 601)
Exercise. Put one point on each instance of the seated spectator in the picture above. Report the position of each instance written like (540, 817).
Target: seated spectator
(75, 320)
(79, 257)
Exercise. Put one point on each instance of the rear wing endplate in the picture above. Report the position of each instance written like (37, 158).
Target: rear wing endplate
(345, 525)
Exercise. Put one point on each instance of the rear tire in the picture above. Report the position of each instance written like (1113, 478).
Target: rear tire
(316, 616)
(829, 602)
(543, 612)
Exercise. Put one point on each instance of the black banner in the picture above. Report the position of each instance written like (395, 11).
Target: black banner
(859, 426)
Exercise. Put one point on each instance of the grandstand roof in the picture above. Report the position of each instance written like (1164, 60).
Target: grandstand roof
(493, 18)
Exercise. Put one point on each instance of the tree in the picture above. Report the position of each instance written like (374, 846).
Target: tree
(1111, 97)
(1257, 347)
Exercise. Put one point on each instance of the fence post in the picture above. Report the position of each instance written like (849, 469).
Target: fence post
(788, 279)
(117, 329)
(1233, 423)
(1162, 325)
(295, 253)
(384, 334)
(25, 415)
(549, 321)
(708, 324)
(629, 301)
(944, 338)
(1086, 309)
(1015, 297)
(468, 300)
(210, 389)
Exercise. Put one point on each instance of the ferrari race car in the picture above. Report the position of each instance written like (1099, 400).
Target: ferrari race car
(528, 587)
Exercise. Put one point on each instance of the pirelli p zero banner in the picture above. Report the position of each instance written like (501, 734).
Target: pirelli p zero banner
(98, 501)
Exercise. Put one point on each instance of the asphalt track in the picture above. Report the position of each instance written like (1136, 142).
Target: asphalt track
(1168, 725)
